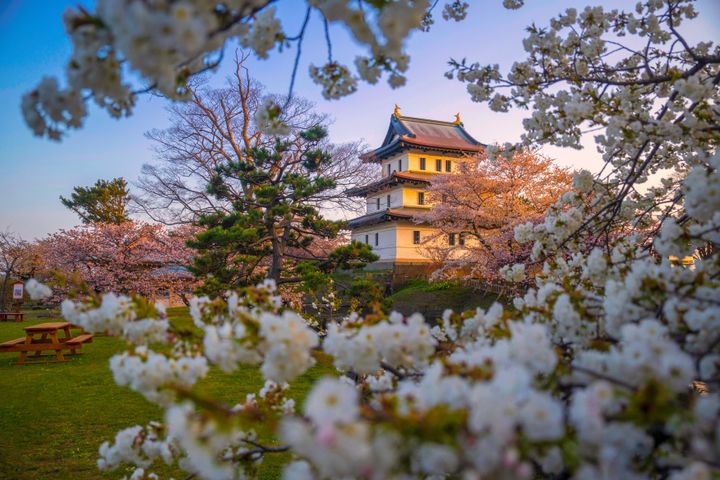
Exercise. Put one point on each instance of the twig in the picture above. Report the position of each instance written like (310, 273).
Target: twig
(327, 39)
(300, 38)
(602, 376)
(392, 370)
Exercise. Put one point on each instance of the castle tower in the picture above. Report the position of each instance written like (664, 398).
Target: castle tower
(414, 150)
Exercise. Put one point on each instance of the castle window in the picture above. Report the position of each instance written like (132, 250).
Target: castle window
(388, 200)
(422, 163)
(377, 203)
(451, 239)
(400, 165)
(367, 240)
(377, 239)
(421, 198)
(389, 167)
(438, 165)
(461, 238)
(448, 165)
(416, 237)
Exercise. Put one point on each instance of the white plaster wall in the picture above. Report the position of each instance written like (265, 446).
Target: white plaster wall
(401, 196)
(410, 162)
(396, 199)
(402, 158)
(396, 241)
(386, 248)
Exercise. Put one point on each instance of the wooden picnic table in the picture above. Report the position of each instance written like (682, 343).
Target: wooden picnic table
(44, 337)
(17, 316)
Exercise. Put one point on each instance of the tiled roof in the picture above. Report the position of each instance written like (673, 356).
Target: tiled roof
(405, 212)
(385, 216)
(425, 134)
(389, 181)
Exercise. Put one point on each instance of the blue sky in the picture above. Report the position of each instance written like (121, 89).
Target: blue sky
(34, 172)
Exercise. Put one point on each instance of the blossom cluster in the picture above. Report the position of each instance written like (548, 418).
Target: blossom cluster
(492, 381)
(281, 342)
(399, 342)
(139, 446)
(37, 290)
(167, 42)
(479, 414)
(337, 81)
(268, 119)
(118, 315)
(48, 110)
(488, 379)
(573, 83)
(155, 375)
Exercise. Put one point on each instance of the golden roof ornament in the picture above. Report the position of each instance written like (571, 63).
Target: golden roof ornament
(397, 110)
(457, 119)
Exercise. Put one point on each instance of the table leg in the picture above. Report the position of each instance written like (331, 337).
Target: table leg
(58, 352)
(68, 336)
(23, 354)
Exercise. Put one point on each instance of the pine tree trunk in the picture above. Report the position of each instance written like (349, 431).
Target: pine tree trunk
(275, 267)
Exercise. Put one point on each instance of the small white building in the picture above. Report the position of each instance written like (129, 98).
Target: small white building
(414, 150)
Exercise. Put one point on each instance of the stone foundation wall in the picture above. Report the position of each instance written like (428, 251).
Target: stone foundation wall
(402, 273)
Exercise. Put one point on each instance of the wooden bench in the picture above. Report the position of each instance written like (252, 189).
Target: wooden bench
(80, 339)
(44, 338)
(17, 316)
(12, 343)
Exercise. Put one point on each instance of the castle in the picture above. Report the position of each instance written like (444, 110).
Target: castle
(414, 150)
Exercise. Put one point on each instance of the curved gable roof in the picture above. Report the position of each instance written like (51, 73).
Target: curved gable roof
(407, 132)
(391, 180)
(389, 215)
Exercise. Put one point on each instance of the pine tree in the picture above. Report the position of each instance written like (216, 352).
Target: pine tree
(104, 202)
(274, 228)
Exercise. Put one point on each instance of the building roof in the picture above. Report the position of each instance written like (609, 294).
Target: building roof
(390, 181)
(388, 215)
(424, 134)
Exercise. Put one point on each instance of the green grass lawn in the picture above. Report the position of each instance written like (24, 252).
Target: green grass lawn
(53, 417)
(432, 299)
